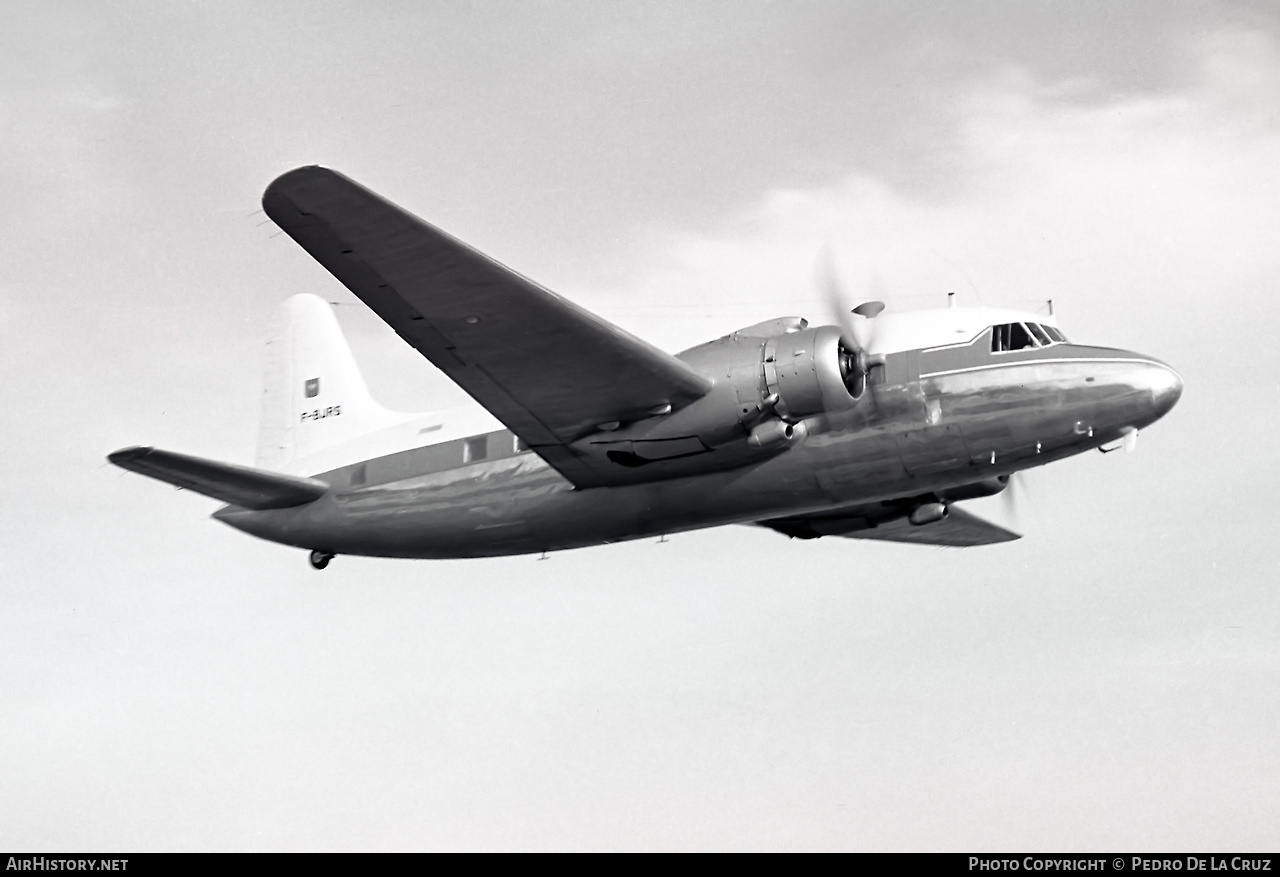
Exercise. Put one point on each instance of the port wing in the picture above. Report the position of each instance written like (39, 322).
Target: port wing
(549, 370)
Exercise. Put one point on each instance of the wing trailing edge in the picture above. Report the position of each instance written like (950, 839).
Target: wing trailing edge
(244, 486)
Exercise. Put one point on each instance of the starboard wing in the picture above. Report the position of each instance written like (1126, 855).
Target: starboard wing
(959, 529)
(549, 370)
(239, 485)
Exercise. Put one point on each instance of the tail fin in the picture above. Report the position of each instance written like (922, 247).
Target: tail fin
(314, 398)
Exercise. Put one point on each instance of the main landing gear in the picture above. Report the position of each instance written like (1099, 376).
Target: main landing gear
(320, 559)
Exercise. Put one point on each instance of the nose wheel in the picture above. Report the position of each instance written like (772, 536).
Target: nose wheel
(320, 559)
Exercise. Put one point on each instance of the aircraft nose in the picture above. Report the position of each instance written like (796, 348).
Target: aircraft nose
(1166, 388)
(1165, 385)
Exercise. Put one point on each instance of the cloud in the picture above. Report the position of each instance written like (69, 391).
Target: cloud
(1119, 207)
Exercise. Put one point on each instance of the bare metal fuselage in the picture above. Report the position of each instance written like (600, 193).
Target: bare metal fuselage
(950, 417)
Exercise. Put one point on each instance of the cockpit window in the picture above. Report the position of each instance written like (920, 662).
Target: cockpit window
(1020, 336)
(999, 338)
(1011, 336)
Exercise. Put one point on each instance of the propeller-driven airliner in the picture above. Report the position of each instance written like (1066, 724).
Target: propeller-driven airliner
(876, 426)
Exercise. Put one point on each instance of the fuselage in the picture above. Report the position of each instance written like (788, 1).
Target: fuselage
(952, 407)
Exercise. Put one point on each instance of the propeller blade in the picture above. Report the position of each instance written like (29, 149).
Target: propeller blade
(832, 289)
(856, 322)
(864, 329)
(1013, 498)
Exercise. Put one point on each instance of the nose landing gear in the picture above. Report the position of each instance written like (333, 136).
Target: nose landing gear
(320, 559)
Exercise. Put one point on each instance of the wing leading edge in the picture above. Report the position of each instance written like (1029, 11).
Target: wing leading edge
(549, 370)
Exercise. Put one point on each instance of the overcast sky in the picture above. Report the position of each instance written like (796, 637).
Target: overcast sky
(1110, 682)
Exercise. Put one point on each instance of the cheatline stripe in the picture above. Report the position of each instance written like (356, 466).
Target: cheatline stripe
(978, 368)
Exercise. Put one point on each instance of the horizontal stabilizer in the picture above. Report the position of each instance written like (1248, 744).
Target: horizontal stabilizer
(239, 485)
(959, 529)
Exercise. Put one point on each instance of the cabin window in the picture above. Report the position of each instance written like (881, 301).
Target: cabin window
(474, 449)
(1055, 334)
(1011, 336)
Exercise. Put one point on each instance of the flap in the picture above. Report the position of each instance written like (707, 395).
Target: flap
(549, 370)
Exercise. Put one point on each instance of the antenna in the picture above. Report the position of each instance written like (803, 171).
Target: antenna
(951, 299)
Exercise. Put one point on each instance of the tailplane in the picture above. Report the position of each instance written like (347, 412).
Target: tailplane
(317, 416)
(238, 485)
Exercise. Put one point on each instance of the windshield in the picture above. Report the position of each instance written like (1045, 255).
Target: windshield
(1020, 336)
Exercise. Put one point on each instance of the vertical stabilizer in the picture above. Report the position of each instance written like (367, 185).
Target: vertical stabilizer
(314, 398)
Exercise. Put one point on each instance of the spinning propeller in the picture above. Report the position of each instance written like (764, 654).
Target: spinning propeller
(858, 325)
(1022, 497)
(1011, 495)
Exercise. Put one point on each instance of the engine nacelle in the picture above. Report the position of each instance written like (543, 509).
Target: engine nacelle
(810, 372)
(767, 379)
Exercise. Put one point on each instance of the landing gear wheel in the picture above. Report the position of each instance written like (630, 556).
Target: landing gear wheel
(320, 559)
